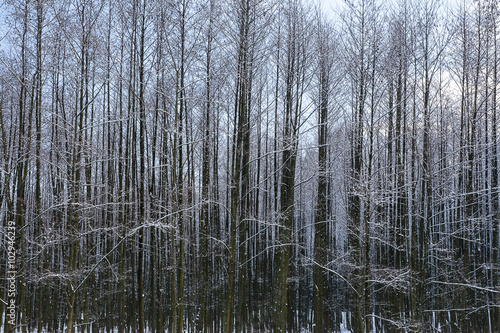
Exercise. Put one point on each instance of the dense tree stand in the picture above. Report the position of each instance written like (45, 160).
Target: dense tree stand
(249, 165)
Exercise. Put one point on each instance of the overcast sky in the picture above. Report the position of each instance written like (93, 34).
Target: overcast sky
(330, 5)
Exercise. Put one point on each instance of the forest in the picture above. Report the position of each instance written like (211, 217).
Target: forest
(249, 166)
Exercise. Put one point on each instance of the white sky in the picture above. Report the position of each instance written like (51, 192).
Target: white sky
(330, 5)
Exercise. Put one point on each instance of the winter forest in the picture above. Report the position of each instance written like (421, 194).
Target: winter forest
(249, 166)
